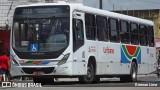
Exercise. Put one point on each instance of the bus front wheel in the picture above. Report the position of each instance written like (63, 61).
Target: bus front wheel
(89, 78)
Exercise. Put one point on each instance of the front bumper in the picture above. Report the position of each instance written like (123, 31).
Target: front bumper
(64, 69)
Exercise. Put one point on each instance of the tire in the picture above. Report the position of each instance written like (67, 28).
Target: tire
(89, 78)
(43, 80)
(133, 74)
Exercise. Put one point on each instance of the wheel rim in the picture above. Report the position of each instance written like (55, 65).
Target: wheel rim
(134, 73)
(89, 73)
(89, 76)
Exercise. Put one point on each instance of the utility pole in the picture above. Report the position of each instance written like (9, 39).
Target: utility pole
(113, 7)
(100, 4)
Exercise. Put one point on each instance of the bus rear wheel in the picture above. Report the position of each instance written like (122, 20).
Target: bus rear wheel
(89, 78)
(133, 74)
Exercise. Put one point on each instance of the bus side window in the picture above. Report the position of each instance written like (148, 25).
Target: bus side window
(90, 26)
(102, 31)
(113, 30)
(124, 32)
(134, 34)
(143, 35)
(151, 36)
(78, 36)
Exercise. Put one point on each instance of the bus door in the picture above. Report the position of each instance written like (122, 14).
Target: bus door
(78, 42)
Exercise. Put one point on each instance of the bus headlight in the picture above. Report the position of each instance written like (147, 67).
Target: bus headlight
(64, 59)
(14, 61)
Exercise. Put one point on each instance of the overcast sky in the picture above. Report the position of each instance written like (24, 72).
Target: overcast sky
(124, 4)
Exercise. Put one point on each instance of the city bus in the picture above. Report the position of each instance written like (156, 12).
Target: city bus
(61, 40)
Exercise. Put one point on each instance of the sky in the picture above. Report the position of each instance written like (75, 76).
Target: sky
(124, 4)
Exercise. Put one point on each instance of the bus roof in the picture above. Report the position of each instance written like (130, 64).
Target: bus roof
(81, 7)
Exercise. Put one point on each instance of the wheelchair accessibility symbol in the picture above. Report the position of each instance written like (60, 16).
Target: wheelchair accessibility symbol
(34, 48)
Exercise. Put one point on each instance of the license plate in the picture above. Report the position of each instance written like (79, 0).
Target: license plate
(38, 73)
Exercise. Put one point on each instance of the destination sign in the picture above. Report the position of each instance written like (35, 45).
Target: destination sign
(42, 10)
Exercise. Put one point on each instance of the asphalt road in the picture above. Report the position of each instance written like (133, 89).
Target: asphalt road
(109, 82)
(146, 82)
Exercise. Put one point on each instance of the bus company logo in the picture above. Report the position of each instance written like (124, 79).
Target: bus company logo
(92, 49)
(37, 62)
(129, 52)
(108, 50)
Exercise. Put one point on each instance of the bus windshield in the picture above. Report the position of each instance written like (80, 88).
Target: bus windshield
(41, 29)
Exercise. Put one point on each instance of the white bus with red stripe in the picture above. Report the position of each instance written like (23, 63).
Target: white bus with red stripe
(71, 40)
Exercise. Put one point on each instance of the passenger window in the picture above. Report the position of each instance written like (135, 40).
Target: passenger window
(151, 36)
(134, 34)
(90, 26)
(124, 32)
(134, 28)
(143, 35)
(113, 30)
(102, 31)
